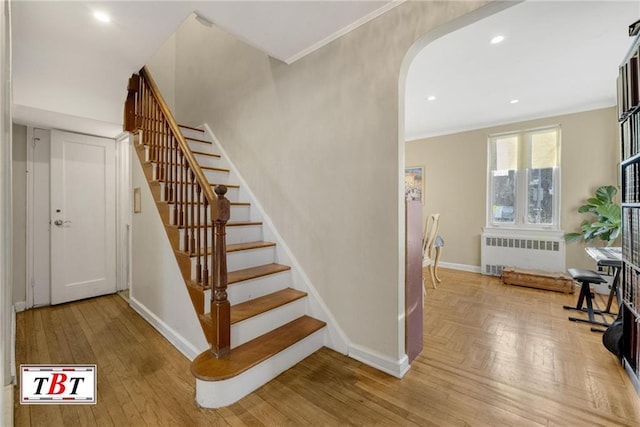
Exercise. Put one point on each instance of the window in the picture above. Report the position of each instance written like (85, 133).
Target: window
(523, 182)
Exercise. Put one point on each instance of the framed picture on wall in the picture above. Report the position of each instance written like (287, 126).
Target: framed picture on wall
(414, 183)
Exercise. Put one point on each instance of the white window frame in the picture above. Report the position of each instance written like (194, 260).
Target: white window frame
(521, 180)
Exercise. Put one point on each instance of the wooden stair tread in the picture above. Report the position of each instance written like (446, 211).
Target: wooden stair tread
(202, 153)
(191, 128)
(199, 153)
(229, 224)
(212, 168)
(200, 203)
(235, 247)
(209, 168)
(248, 355)
(255, 272)
(197, 140)
(155, 181)
(254, 307)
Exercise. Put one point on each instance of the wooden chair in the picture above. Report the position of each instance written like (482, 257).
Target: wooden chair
(430, 253)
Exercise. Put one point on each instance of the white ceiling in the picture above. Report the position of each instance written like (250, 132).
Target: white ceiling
(67, 67)
(70, 71)
(557, 57)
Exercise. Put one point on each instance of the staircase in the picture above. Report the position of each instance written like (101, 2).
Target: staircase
(251, 313)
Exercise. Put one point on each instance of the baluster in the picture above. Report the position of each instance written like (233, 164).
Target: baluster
(172, 159)
(156, 128)
(146, 122)
(183, 194)
(192, 241)
(165, 151)
(176, 193)
(152, 125)
(198, 237)
(139, 102)
(167, 160)
(148, 127)
(220, 308)
(205, 234)
(176, 164)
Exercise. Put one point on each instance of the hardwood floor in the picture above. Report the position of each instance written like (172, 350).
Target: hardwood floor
(494, 355)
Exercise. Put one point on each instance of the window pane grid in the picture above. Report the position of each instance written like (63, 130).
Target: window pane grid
(522, 178)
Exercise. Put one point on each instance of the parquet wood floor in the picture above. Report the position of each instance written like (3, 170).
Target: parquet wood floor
(494, 355)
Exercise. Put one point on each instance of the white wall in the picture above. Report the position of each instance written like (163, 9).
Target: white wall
(318, 141)
(6, 309)
(157, 289)
(163, 69)
(19, 202)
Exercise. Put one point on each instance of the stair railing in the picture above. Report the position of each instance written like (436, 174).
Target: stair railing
(201, 214)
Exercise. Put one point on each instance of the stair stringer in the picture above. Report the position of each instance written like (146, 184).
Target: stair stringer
(158, 291)
(334, 337)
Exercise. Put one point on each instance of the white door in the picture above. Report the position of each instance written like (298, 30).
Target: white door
(83, 235)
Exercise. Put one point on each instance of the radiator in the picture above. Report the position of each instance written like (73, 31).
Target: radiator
(538, 251)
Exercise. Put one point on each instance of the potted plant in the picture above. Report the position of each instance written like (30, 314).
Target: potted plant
(605, 218)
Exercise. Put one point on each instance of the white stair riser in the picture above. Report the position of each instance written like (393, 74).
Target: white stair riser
(189, 133)
(254, 288)
(245, 233)
(240, 260)
(239, 213)
(200, 146)
(216, 177)
(209, 161)
(255, 326)
(216, 394)
(250, 258)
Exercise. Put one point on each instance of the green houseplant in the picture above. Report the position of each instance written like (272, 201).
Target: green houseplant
(605, 218)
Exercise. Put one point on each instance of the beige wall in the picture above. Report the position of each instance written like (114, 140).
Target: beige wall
(163, 69)
(456, 177)
(19, 202)
(318, 142)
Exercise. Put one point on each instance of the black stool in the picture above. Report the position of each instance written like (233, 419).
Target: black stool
(585, 277)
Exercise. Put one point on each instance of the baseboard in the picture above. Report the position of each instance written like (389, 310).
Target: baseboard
(397, 368)
(20, 306)
(461, 267)
(6, 419)
(165, 330)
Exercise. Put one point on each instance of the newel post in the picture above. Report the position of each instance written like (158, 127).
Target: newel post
(220, 308)
(129, 123)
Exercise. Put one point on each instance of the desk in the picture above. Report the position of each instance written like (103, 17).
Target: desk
(610, 257)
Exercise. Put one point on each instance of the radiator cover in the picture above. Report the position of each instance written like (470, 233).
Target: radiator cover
(539, 250)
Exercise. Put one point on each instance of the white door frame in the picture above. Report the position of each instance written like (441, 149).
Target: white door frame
(123, 214)
(30, 274)
(123, 211)
(29, 223)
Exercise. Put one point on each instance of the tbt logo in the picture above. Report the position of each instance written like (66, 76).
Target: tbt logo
(57, 384)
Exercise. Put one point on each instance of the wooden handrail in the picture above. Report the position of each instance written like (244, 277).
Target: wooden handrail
(193, 164)
(196, 209)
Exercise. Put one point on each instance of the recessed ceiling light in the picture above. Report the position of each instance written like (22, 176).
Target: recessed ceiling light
(431, 98)
(514, 101)
(497, 39)
(101, 16)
